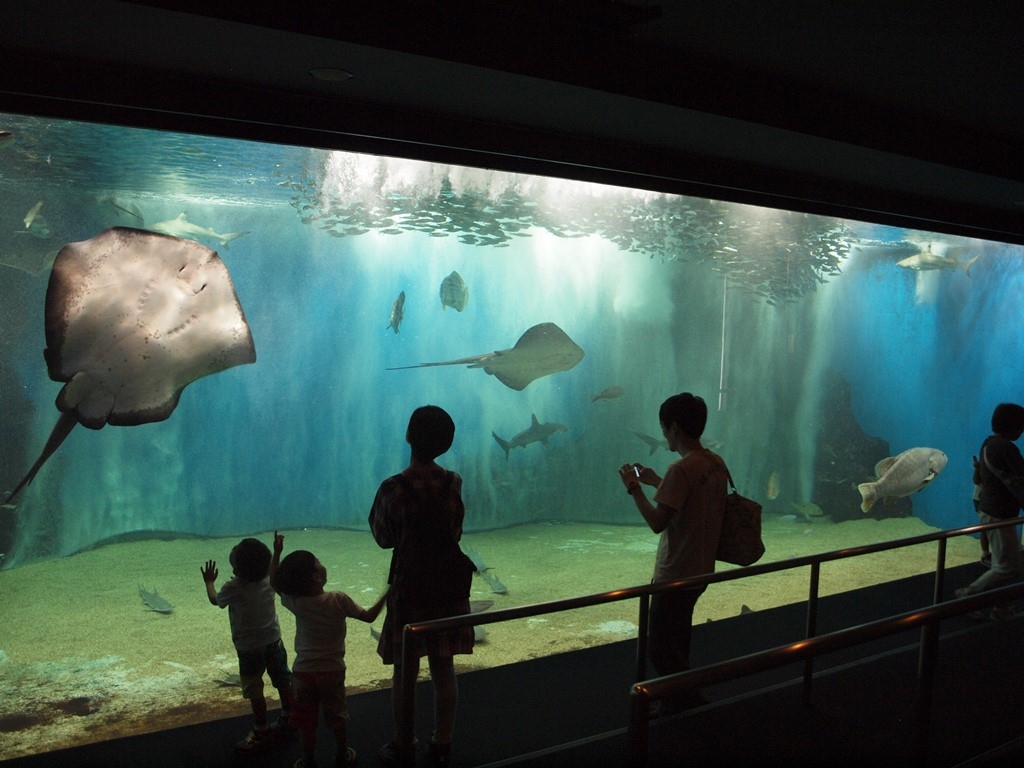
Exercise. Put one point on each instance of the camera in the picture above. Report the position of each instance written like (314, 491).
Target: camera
(636, 470)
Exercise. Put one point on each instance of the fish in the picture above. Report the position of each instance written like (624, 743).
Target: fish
(32, 213)
(484, 572)
(229, 679)
(397, 313)
(608, 393)
(902, 475)
(454, 292)
(154, 601)
(653, 443)
(126, 208)
(772, 487)
(182, 227)
(925, 260)
(535, 433)
(6, 137)
(808, 509)
(38, 227)
(132, 318)
(542, 350)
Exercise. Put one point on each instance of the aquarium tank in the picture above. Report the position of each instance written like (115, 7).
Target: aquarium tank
(550, 317)
(208, 338)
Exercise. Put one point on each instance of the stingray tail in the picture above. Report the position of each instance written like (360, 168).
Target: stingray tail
(504, 444)
(61, 430)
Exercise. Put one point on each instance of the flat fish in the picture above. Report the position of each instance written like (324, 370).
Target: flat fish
(454, 292)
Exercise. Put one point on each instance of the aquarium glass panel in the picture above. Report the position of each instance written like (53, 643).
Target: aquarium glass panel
(550, 317)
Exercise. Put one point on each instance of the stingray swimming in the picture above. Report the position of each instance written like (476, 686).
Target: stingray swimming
(544, 349)
(132, 318)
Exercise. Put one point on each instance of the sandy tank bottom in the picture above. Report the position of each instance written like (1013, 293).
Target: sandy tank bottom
(82, 660)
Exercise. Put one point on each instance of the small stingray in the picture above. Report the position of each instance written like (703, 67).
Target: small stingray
(132, 318)
(544, 349)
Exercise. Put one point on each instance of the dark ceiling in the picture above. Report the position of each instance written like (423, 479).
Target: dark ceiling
(904, 113)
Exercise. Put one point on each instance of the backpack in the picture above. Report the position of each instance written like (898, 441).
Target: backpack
(428, 568)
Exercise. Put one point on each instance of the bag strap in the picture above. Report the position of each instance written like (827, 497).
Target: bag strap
(984, 457)
(729, 478)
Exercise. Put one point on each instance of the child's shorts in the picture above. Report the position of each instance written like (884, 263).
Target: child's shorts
(272, 659)
(312, 691)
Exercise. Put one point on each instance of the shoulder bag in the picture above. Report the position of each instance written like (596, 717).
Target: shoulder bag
(740, 542)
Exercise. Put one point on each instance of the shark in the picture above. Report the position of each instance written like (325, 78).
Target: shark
(652, 442)
(180, 226)
(535, 433)
(926, 261)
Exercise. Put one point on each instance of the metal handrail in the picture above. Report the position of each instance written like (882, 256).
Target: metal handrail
(642, 694)
(406, 712)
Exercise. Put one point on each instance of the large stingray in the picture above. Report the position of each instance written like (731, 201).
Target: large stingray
(544, 349)
(132, 318)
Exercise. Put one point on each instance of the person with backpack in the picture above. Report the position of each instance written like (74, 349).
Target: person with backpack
(418, 513)
(1000, 475)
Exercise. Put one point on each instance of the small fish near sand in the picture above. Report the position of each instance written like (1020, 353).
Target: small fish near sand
(454, 292)
(154, 601)
(608, 393)
(483, 571)
(902, 475)
(397, 313)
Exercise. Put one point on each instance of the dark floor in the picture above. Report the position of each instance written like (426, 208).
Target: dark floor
(571, 709)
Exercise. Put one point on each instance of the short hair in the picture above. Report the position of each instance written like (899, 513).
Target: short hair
(1008, 419)
(295, 574)
(688, 411)
(430, 433)
(251, 559)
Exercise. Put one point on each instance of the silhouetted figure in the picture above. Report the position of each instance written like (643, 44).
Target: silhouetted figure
(687, 514)
(1000, 496)
(419, 514)
(256, 635)
(318, 675)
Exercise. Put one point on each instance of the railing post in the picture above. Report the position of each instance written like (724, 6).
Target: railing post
(641, 638)
(940, 572)
(812, 626)
(639, 717)
(406, 711)
(925, 687)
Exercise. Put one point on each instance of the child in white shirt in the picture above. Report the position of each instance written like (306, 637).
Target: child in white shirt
(318, 673)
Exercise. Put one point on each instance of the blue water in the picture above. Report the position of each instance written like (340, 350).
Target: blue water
(303, 437)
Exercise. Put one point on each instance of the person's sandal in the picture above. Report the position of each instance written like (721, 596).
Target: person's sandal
(439, 754)
(389, 752)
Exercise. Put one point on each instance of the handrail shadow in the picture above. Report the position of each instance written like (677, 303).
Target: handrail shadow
(406, 713)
